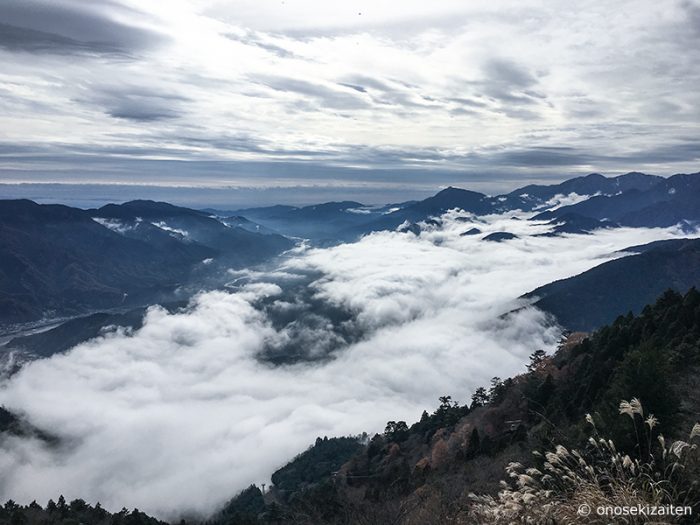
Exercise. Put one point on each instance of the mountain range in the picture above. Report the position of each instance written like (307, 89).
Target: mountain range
(605, 201)
(668, 202)
(57, 261)
(61, 262)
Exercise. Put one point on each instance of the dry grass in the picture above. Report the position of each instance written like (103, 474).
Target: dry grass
(599, 476)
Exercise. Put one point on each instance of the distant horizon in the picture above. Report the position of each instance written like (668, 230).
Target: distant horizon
(90, 194)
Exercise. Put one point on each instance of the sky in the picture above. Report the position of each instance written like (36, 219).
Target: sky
(180, 415)
(297, 101)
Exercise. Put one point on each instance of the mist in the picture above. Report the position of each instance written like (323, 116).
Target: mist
(180, 415)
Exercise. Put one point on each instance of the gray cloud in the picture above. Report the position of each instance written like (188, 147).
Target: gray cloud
(312, 175)
(325, 96)
(508, 74)
(392, 93)
(250, 38)
(65, 27)
(141, 109)
(365, 82)
(546, 156)
(692, 9)
(513, 86)
(15, 38)
(462, 111)
(470, 102)
(353, 86)
(136, 103)
(676, 152)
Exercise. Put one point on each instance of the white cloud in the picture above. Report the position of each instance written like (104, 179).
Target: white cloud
(173, 231)
(114, 225)
(559, 201)
(611, 82)
(181, 414)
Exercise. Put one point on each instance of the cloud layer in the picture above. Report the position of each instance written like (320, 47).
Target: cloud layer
(180, 415)
(508, 87)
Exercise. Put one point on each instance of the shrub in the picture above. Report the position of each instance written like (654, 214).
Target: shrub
(597, 476)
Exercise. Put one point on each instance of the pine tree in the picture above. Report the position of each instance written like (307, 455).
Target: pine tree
(480, 398)
(536, 360)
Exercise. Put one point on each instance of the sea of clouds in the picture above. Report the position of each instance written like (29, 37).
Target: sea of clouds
(180, 415)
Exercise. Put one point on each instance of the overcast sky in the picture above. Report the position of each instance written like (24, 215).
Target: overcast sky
(362, 96)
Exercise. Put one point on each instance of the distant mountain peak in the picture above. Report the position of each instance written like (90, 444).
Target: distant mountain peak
(145, 208)
(452, 190)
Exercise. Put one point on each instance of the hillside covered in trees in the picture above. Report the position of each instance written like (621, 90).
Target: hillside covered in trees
(424, 472)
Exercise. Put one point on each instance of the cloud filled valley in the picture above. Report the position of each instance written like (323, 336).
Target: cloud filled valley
(178, 416)
(332, 263)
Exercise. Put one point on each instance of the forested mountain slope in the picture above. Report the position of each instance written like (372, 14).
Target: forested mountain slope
(597, 296)
(423, 473)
